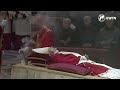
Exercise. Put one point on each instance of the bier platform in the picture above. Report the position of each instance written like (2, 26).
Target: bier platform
(20, 71)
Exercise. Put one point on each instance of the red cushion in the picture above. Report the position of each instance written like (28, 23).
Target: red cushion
(65, 58)
(37, 55)
(69, 68)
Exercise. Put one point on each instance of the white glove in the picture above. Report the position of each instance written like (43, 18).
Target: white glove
(72, 26)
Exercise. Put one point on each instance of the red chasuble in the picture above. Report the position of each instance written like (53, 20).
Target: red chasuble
(45, 38)
(65, 58)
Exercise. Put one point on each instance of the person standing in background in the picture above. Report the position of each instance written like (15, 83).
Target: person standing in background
(43, 35)
(6, 26)
(2, 15)
(108, 35)
(21, 27)
(88, 33)
(64, 33)
(109, 38)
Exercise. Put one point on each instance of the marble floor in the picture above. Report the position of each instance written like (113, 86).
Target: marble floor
(9, 58)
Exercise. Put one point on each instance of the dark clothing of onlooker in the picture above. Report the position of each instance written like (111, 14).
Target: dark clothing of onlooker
(88, 35)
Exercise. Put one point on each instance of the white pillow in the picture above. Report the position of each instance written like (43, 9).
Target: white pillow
(44, 50)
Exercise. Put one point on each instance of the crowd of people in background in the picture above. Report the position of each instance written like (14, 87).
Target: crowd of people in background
(84, 33)
(64, 29)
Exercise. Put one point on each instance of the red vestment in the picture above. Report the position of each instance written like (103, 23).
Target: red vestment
(72, 59)
(45, 38)
(65, 58)
(6, 33)
(57, 58)
(6, 40)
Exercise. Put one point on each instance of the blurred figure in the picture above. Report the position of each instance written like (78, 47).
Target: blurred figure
(108, 36)
(43, 35)
(88, 33)
(64, 33)
(26, 49)
(2, 15)
(1, 45)
(21, 27)
(6, 26)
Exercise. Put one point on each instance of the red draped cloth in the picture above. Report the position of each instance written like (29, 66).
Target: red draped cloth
(6, 41)
(72, 59)
(65, 58)
(57, 58)
(37, 55)
(95, 69)
(45, 38)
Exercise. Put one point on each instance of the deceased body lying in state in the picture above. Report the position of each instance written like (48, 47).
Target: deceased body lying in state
(70, 62)
(44, 52)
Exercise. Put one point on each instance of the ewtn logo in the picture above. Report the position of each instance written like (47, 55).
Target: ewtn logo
(102, 18)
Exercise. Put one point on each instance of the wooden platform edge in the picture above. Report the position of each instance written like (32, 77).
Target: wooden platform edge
(43, 69)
